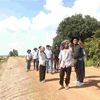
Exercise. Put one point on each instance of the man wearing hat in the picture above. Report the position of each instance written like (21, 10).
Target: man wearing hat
(78, 60)
(28, 59)
(55, 57)
(35, 57)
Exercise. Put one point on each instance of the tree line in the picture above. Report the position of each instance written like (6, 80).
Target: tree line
(13, 53)
(86, 28)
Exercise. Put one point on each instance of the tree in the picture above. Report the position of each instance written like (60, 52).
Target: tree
(76, 25)
(93, 47)
(13, 53)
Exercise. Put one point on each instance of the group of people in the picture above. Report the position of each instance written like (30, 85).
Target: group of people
(68, 54)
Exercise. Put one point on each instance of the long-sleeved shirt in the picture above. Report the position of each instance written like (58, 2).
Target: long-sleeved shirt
(42, 59)
(66, 58)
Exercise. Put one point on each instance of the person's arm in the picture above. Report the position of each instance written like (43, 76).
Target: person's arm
(81, 43)
(41, 60)
(60, 58)
(54, 55)
(72, 48)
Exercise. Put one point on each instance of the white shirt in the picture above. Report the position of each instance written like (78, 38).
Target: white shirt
(66, 58)
(35, 54)
(28, 56)
(48, 53)
(42, 59)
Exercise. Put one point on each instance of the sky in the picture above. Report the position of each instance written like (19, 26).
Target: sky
(25, 24)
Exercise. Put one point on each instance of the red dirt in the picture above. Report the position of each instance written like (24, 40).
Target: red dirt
(17, 84)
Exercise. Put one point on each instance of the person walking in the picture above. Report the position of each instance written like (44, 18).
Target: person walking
(49, 59)
(28, 59)
(65, 63)
(42, 64)
(35, 59)
(78, 61)
(56, 59)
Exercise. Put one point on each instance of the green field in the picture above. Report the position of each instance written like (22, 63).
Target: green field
(3, 59)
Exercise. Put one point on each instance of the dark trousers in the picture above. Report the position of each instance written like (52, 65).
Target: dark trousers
(42, 71)
(36, 63)
(62, 73)
(56, 61)
(83, 68)
(80, 70)
(28, 64)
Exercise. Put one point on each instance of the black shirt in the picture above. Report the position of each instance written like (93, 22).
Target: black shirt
(77, 51)
(56, 53)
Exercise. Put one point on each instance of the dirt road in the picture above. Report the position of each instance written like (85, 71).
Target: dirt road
(17, 84)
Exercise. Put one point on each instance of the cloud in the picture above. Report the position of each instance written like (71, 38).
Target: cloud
(14, 35)
(14, 24)
(42, 28)
(88, 7)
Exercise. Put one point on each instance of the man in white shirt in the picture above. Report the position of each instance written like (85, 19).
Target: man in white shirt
(42, 64)
(49, 59)
(65, 61)
(28, 59)
(35, 57)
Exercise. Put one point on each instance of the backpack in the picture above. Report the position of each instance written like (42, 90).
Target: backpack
(84, 52)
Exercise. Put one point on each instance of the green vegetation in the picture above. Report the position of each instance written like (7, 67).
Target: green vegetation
(86, 28)
(3, 59)
(13, 53)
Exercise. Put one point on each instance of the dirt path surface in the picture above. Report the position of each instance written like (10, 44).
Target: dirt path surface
(17, 84)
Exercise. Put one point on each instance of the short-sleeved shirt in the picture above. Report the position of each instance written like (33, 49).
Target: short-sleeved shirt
(48, 53)
(66, 58)
(77, 52)
(35, 54)
(28, 56)
(56, 53)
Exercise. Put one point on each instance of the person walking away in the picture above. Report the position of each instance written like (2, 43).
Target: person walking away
(35, 59)
(28, 59)
(49, 59)
(65, 63)
(42, 64)
(78, 61)
(56, 59)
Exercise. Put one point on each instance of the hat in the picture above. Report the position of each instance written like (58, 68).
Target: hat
(35, 48)
(74, 38)
(40, 47)
(28, 50)
(63, 43)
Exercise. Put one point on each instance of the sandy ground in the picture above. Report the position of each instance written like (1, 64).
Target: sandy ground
(17, 84)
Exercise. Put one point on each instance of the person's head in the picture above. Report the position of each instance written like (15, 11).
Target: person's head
(66, 45)
(57, 47)
(39, 47)
(75, 40)
(42, 49)
(47, 47)
(28, 51)
(35, 49)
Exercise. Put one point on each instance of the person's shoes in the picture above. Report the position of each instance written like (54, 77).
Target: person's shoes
(66, 88)
(80, 84)
(46, 71)
(55, 71)
(60, 87)
(27, 70)
(43, 81)
(76, 82)
(51, 72)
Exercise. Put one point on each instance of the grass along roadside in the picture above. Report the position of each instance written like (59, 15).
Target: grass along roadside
(3, 59)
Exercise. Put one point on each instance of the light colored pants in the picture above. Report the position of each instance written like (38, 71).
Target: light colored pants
(49, 65)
